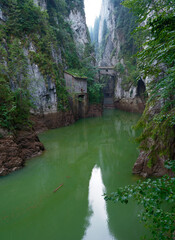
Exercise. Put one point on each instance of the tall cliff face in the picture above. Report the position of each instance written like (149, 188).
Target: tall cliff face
(39, 39)
(46, 36)
(80, 32)
(116, 48)
(107, 37)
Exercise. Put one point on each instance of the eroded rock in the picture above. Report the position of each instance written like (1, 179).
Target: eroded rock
(15, 149)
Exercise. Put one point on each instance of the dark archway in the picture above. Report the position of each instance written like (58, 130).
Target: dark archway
(141, 89)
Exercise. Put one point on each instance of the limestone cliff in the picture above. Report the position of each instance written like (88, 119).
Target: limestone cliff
(116, 48)
(46, 51)
(38, 41)
(80, 32)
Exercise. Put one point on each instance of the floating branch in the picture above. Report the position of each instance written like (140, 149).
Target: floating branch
(58, 188)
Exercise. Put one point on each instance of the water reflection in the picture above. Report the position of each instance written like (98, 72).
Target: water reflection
(98, 222)
(28, 206)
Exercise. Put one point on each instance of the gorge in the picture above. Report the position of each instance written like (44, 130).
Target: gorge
(55, 72)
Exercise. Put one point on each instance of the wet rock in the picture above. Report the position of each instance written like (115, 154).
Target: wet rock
(131, 105)
(15, 149)
(52, 120)
(157, 169)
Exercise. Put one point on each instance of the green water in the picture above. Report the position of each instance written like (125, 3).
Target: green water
(89, 158)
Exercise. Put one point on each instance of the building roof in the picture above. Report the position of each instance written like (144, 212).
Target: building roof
(76, 76)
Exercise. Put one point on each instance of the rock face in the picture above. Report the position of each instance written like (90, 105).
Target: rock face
(158, 169)
(115, 51)
(43, 91)
(15, 149)
(107, 20)
(44, 58)
(41, 3)
(80, 31)
(52, 120)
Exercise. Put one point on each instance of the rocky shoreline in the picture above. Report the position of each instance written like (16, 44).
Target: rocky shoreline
(16, 148)
(157, 169)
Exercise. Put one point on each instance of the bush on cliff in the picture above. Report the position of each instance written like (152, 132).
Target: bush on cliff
(157, 198)
(14, 107)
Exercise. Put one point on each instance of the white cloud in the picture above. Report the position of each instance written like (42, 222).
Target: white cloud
(92, 10)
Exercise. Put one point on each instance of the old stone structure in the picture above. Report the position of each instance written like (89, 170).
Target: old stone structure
(77, 87)
(108, 74)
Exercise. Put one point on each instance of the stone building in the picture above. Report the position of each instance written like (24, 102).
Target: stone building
(77, 87)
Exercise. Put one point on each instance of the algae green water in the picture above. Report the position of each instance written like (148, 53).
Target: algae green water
(89, 158)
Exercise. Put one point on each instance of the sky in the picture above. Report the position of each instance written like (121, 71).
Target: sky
(92, 10)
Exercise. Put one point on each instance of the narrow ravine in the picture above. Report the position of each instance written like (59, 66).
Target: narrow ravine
(89, 158)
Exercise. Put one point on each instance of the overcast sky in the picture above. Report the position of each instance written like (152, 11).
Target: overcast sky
(92, 9)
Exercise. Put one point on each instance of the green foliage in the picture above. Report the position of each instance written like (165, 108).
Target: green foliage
(63, 95)
(156, 61)
(23, 18)
(157, 197)
(53, 49)
(77, 73)
(76, 4)
(95, 91)
(119, 68)
(14, 106)
(49, 33)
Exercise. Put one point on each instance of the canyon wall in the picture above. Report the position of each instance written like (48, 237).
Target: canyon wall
(38, 41)
(42, 59)
(116, 48)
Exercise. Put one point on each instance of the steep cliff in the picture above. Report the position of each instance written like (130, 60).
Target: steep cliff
(116, 48)
(39, 39)
(46, 34)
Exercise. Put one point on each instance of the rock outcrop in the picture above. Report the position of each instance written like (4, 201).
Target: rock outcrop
(141, 167)
(15, 149)
(80, 31)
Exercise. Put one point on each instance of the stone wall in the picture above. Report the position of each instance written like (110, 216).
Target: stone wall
(52, 120)
(75, 85)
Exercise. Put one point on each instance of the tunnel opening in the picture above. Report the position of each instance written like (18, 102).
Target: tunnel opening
(141, 89)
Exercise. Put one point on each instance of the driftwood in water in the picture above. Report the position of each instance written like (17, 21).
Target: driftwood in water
(58, 188)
